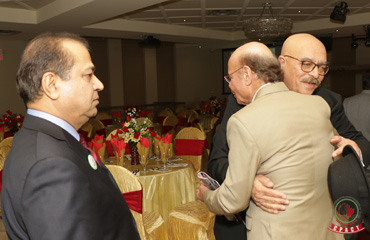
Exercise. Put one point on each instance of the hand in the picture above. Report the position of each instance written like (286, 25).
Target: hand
(268, 199)
(201, 190)
(341, 142)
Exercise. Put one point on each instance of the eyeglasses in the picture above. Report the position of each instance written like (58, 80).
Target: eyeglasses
(228, 77)
(308, 66)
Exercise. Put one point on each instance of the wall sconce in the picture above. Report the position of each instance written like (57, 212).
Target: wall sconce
(339, 13)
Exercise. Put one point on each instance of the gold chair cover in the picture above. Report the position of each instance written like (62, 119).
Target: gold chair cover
(5, 147)
(3, 235)
(88, 127)
(155, 227)
(192, 133)
(127, 182)
(192, 220)
(97, 125)
(103, 116)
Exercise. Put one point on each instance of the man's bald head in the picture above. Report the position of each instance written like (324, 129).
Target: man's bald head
(303, 47)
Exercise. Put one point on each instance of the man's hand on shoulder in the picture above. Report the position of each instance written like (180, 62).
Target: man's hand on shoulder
(268, 199)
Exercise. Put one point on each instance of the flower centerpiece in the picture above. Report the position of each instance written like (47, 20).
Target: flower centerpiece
(133, 131)
(12, 121)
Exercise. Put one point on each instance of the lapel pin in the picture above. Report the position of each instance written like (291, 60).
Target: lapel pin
(92, 162)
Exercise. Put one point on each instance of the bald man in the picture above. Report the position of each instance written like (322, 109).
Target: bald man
(296, 49)
(270, 136)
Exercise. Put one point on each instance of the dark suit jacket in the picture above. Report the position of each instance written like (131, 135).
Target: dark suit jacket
(50, 191)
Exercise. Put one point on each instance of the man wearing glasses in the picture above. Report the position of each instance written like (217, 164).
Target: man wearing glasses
(303, 59)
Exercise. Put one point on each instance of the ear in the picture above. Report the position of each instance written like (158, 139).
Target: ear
(247, 75)
(282, 61)
(49, 85)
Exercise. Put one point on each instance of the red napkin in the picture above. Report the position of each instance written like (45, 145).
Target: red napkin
(118, 145)
(98, 137)
(145, 142)
(2, 128)
(97, 146)
(159, 137)
(167, 138)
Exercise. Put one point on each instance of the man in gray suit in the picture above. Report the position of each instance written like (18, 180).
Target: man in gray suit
(283, 135)
(53, 188)
(357, 108)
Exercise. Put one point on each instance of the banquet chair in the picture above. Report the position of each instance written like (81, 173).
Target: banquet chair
(150, 225)
(3, 235)
(86, 130)
(193, 117)
(213, 121)
(180, 108)
(105, 118)
(98, 127)
(5, 147)
(163, 114)
(193, 220)
(169, 124)
(189, 145)
(140, 121)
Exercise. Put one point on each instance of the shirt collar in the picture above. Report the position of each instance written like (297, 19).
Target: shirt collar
(264, 85)
(55, 120)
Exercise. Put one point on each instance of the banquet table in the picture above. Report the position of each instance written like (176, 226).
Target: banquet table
(163, 191)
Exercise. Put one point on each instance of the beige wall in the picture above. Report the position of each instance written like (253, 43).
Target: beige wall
(9, 98)
(198, 73)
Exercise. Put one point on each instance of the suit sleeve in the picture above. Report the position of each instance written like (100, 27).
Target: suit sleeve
(244, 159)
(56, 188)
(218, 160)
(342, 124)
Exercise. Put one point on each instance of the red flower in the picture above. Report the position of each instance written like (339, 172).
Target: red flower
(153, 133)
(125, 129)
(9, 112)
(13, 120)
(10, 126)
(137, 135)
(128, 118)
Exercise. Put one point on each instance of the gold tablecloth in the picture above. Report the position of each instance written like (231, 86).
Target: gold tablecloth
(163, 191)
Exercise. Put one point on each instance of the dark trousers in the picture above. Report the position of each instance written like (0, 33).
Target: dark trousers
(226, 230)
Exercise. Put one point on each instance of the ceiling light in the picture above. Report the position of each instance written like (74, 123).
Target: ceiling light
(339, 13)
(268, 27)
(299, 11)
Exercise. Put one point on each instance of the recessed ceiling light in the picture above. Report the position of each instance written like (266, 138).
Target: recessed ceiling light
(200, 46)
(184, 20)
(299, 11)
(336, 30)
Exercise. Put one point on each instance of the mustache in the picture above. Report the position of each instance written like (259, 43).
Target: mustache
(313, 80)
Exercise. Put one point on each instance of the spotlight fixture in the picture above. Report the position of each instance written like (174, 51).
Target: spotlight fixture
(363, 38)
(339, 13)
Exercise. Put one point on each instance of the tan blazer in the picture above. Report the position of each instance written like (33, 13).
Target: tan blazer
(285, 136)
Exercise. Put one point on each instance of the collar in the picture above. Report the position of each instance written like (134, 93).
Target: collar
(264, 85)
(55, 120)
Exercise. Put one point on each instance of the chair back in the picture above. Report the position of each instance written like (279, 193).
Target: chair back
(213, 121)
(98, 127)
(5, 147)
(193, 117)
(86, 130)
(190, 144)
(169, 124)
(141, 120)
(163, 114)
(128, 182)
(105, 118)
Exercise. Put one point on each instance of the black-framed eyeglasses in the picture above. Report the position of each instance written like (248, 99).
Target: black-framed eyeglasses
(228, 77)
(309, 66)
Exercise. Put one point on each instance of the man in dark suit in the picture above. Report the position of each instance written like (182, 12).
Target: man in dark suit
(52, 187)
(299, 52)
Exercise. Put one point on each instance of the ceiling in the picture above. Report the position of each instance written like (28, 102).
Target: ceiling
(184, 21)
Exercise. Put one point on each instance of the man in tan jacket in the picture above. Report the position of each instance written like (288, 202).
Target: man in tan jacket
(283, 135)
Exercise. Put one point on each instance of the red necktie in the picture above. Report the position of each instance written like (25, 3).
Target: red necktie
(84, 143)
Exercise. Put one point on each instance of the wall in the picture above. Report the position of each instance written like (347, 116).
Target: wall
(9, 98)
(198, 73)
